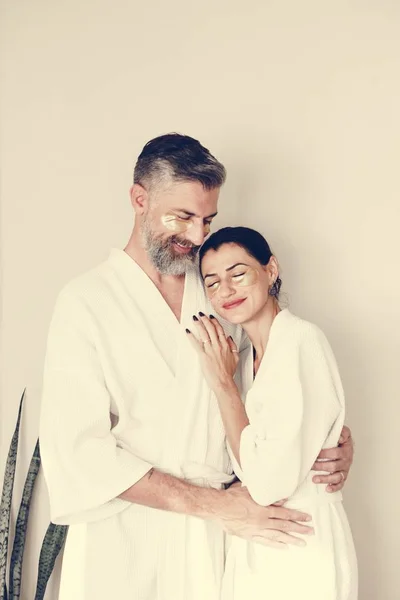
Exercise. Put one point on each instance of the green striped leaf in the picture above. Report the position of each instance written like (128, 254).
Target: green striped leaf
(52, 544)
(6, 499)
(21, 527)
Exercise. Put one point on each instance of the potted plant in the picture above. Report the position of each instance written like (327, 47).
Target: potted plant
(10, 588)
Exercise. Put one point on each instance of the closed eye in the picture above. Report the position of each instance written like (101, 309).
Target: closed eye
(238, 275)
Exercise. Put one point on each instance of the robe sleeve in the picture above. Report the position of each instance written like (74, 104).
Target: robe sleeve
(84, 467)
(293, 409)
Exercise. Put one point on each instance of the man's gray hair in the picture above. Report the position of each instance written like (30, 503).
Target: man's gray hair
(178, 157)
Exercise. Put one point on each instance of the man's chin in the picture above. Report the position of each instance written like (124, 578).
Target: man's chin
(186, 266)
(180, 256)
(180, 265)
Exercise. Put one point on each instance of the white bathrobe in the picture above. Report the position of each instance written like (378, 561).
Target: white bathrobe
(295, 407)
(123, 392)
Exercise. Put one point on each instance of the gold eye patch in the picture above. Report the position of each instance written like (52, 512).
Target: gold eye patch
(174, 223)
(244, 279)
(179, 225)
(212, 288)
(239, 280)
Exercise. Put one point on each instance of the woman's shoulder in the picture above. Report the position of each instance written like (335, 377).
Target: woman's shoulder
(303, 331)
(299, 339)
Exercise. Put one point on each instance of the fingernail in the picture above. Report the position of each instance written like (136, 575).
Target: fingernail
(201, 314)
(301, 543)
(187, 330)
(311, 532)
(212, 317)
(341, 440)
(195, 318)
(316, 480)
(308, 518)
(329, 489)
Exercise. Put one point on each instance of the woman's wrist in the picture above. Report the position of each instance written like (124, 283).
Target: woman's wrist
(226, 385)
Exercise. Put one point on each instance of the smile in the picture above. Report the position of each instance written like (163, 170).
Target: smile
(234, 304)
(182, 249)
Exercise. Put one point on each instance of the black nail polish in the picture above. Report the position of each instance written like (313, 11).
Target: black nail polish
(201, 314)
(195, 318)
(212, 317)
(187, 330)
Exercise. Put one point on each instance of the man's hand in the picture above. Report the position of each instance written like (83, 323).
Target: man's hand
(337, 461)
(268, 525)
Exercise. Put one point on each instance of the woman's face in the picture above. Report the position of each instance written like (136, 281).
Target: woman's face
(236, 283)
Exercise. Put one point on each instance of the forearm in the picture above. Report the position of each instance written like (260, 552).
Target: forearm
(166, 492)
(233, 413)
(231, 509)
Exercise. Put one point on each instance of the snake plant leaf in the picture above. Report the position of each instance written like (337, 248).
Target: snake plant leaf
(21, 527)
(52, 544)
(6, 499)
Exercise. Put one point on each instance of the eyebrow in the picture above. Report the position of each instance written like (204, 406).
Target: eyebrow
(228, 269)
(191, 214)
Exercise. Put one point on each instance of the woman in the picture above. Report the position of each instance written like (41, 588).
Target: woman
(294, 405)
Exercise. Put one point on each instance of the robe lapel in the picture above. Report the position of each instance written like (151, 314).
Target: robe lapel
(157, 319)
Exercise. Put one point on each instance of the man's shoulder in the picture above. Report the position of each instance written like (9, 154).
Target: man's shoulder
(86, 286)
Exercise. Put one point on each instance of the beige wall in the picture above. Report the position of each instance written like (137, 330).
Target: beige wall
(301, 101)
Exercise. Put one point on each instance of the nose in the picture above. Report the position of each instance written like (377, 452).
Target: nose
(196, 234)
(226, 289)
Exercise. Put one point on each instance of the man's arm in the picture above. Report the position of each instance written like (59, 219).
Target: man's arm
(337, 462)
(233, 509)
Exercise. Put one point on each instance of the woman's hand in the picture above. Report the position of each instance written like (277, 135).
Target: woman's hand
(336, 461)
(218, 354)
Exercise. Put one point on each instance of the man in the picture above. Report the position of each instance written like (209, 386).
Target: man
(132, 441)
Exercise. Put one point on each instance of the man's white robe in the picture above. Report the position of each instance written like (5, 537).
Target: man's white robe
(123, 392)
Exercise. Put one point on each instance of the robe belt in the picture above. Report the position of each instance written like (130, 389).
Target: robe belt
(205, 475)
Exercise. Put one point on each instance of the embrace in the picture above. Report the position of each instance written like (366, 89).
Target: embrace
(191, 428)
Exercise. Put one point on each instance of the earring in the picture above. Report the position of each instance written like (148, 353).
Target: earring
(272, 290)
(275, 287)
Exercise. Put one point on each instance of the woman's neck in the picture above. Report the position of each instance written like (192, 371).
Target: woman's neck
(259, 327)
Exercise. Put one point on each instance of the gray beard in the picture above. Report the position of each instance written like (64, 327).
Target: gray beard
(162, 255)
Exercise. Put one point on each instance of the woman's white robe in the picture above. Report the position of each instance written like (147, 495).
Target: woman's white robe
(295, 407)
(123, 392)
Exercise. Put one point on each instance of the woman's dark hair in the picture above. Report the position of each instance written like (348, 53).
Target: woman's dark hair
(250, 240)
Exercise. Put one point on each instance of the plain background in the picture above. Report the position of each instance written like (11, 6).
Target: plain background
(300, 100)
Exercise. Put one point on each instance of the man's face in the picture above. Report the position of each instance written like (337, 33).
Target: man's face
(176, 223)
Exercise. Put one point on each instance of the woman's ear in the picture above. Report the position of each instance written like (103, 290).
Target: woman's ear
(139, 198)
(273, 269)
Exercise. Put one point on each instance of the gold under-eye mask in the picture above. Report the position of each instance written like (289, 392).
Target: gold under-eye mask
(248, 278)
(179, 225)
(174, 223)
(239, 280)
